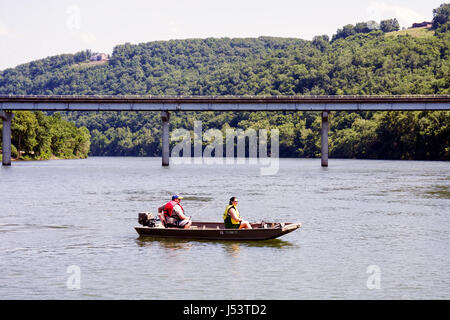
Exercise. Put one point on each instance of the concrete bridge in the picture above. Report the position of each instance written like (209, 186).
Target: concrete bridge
(167, 104)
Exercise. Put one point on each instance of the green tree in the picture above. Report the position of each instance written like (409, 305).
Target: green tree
(389, 25)
(441, 15)
(321, 42)
(23, 132)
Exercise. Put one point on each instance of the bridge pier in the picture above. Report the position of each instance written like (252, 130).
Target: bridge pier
(165, 117)
(324, 139)
(6, 147)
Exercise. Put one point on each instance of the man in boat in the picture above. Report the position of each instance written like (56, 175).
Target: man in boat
(232, 218)
(172, 214)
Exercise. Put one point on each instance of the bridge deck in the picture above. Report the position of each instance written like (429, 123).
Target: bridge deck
(224, 103)
(9, 103)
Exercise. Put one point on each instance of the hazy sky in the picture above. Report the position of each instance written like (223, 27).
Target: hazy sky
(31, 30)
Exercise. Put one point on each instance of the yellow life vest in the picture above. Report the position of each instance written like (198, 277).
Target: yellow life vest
(227, 215)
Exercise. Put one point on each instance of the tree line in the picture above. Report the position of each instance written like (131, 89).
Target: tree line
(363, 60)
(35, 135)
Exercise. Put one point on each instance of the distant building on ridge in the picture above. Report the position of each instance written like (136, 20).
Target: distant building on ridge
(422, 24)
(99, 57)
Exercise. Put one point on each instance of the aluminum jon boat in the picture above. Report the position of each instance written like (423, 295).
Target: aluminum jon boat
(214, 230)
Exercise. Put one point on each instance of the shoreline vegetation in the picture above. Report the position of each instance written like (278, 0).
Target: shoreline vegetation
(368, 58)
(45, 137)
(32, 159)
(158, 157)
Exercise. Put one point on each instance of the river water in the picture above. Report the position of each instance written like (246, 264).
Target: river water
(371, 230)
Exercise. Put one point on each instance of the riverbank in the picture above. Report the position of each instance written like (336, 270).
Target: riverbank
(42, 159)
(37, 136)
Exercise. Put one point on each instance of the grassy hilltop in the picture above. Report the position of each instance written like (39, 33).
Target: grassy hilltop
(421, 32)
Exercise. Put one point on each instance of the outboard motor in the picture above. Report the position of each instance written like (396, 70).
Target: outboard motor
(146, 219)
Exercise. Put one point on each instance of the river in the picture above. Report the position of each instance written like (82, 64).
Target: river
(370, 230)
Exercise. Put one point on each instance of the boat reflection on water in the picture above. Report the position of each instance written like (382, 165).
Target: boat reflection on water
(234, 247)
(164, 243)
(231, 247)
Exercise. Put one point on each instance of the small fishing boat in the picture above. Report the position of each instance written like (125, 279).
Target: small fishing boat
(214, 230)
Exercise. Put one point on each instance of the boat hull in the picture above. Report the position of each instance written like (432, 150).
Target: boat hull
(216, 231)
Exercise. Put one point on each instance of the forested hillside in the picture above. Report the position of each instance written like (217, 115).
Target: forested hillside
(359, 60)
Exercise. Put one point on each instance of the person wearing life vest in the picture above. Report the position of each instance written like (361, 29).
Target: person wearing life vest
(232, 218)
(172, 214)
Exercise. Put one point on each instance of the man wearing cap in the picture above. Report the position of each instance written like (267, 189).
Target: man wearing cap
(172, 214)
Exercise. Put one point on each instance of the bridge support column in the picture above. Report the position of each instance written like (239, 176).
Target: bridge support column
(324, 140)
(6, 147)
(165, 116)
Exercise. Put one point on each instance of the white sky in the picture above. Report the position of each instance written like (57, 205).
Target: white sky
(31, 30)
